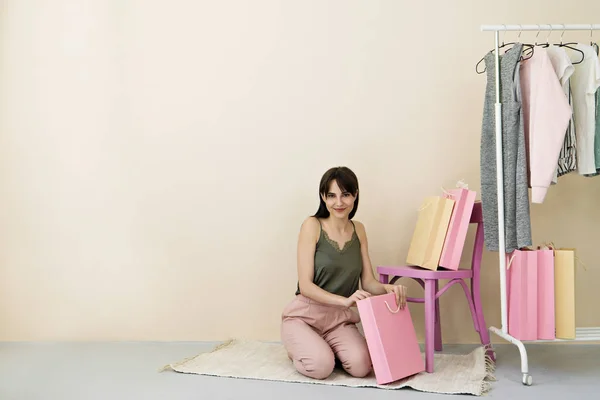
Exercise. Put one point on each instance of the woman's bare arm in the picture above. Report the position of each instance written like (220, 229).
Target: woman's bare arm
(368, 281)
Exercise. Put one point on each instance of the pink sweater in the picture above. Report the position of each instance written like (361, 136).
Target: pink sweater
(546, 115)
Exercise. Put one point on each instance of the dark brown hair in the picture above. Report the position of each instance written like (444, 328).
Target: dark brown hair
(346, 180)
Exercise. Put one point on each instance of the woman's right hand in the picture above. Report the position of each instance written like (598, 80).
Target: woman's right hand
(356, 296)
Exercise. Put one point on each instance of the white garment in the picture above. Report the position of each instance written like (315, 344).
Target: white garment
(584, 83)
(561, 62)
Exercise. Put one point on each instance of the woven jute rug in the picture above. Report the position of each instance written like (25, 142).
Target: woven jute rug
(454, 374)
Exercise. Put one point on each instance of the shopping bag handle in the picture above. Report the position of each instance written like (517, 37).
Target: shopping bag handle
(392, 311)
(512, 257)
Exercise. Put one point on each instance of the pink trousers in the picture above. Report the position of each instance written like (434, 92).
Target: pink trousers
(316, 335)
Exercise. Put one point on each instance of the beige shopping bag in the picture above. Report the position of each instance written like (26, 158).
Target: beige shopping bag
(564, 292)
(430, 232)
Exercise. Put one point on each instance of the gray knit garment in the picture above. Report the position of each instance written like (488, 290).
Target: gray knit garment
(517, 222)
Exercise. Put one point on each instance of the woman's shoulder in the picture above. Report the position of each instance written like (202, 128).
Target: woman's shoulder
(360, 230)
(311, 226)
(359, 226)
(311, 221)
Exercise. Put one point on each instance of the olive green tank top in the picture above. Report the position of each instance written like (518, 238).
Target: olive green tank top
(337, 270)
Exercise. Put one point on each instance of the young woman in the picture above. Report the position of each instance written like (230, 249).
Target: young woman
(318, 327)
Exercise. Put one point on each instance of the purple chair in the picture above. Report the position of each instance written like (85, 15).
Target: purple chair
(429, 281)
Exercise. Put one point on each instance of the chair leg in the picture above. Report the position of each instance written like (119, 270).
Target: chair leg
(484, 335)
(429, 323)
(438, 325)
(384, 278)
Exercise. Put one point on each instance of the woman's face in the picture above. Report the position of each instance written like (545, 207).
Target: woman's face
(339, 204)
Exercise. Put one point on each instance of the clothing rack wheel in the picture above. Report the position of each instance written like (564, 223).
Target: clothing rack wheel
(582, 334)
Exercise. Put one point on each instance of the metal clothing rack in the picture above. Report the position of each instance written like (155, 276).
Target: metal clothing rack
(582, 334)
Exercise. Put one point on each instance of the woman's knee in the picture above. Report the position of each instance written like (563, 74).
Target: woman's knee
(309, 352)
(358, 363)
(317, 366)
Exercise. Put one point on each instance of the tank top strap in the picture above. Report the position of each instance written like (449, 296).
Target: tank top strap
(354, 226)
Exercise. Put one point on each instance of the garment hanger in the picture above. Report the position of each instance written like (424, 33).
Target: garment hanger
(568, 46)
(547, 44)
(547, 39)
(528, 46)
(536, 44)
(527, 49)
(499, 47)
(594, 45)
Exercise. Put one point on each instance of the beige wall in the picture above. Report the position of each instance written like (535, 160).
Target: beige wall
(157, 158)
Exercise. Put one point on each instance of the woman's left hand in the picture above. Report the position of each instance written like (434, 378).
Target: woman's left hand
(400, 292)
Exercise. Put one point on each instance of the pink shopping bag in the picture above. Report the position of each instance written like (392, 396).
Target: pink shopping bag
(391, 338)
(545, 298)
(522, 294)
(458, 228)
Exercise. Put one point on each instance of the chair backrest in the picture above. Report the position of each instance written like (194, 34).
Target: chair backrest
(477, 214)
(477, 218)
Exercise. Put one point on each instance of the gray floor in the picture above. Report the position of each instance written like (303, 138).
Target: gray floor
(32, 371)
